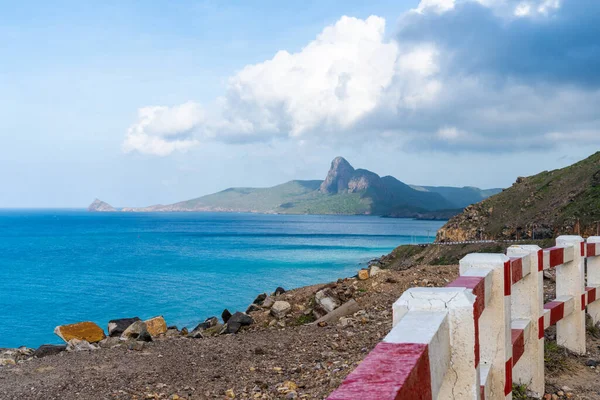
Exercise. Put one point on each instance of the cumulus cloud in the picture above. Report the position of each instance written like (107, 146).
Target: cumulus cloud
(470, 75)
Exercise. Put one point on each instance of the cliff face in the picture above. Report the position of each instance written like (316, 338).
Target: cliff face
(100, 206)
(563, 201)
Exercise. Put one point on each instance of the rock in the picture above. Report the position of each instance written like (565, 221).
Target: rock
(46, 350)
(137, 331)
(184, 331)
(116, 327)
(374, 270)
(196, 334)
(591, 363)
(260, 299)
(363, 274)
(252, 307)
(136, 346)
(80, 345)
(7, 360)
(280, 309)
(156, 326)
(279, 291)
(268, 302)
(327, 300)
(214, 331)
(225, 315)
(230, 394)
(88, 331)
(110, 342)
(350, 307)
(236, 321)
(208, 323)
(173, 333)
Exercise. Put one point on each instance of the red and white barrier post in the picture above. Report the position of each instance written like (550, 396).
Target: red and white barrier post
(527, 313)
(593, 277)
(570, 283)
(495, 342)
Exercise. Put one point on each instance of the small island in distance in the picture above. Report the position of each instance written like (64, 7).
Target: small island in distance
(345, 190)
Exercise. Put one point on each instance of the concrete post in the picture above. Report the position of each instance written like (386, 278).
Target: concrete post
(570, 331)
(527, 305)
(461, 379)
(495, 338)
(593, 275)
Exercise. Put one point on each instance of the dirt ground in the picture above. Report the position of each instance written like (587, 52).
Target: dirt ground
(263, 362)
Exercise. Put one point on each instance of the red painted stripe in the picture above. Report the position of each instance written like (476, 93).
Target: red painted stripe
(507, 281)
(516, 269)
(582, 249)
(540, 260)
(482, 392)
(541, 327)
(390, 372)
(591, 250)
(508, 376)
(477, 285)
(557, 311)
(583, 302)
(591, 292)
(518, 344)
(557, 256)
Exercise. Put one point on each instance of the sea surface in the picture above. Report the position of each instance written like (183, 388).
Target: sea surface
(65, 266)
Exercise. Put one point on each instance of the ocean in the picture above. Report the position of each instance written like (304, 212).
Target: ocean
(65, 266)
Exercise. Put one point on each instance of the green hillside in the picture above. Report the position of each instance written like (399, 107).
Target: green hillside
(562, 201)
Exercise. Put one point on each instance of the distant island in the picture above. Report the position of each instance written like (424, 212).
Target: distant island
(345, 190)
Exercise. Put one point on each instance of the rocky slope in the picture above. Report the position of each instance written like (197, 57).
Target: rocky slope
(345, 190)
(100, 206)
(548, 204)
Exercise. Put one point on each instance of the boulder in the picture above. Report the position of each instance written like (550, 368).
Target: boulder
(268, 302)
(46, 350)
(110, 342)
(374, 270)
(116, 327)
(236, 321)
(173, 333)
(252, 307)
(280, 309)
(260, 299)
(208, 323)
(80, 345)
(348, 308)
(327, 299)
(196, 334)
(88, 331)
(136, 346)
(225, 315)
(279, 291)
(156, 326)
(137, 331)
(363, 274)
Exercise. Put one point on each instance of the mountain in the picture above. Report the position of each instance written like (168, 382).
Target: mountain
(562, 201)
(100, 206)
(345, 190)
(460, 197)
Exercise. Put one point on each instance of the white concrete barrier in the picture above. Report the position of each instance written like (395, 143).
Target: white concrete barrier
(485, 331)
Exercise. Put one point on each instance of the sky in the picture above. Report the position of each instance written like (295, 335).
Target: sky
(140, 103)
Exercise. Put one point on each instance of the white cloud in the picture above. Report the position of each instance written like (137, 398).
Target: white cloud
(162, 130)
(432, 86)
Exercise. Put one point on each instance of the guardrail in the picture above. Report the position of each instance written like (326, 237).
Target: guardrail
(483, 332)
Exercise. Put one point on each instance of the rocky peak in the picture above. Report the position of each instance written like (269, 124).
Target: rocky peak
(338, 176)
(100, 206)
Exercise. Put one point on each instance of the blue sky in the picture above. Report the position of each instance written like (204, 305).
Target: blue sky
(140, 103)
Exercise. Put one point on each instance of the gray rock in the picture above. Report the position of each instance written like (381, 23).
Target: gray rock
(235, 323)
(260, 299)
(46, 350)
(110, 342)
(252, 307)
(80, 345)
(136, 346)
(279, 291)
(268, 302)
(280, 309)
(116, 327)
(327, 300)
(137, 331)
(173, 332)
(225, 315)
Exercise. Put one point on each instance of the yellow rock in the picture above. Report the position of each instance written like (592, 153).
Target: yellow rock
(363, 274)
(229, 393)
(156, 326)
(290, 385)
(88, 331)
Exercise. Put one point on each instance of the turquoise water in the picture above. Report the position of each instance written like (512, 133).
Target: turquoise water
(65, 266)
